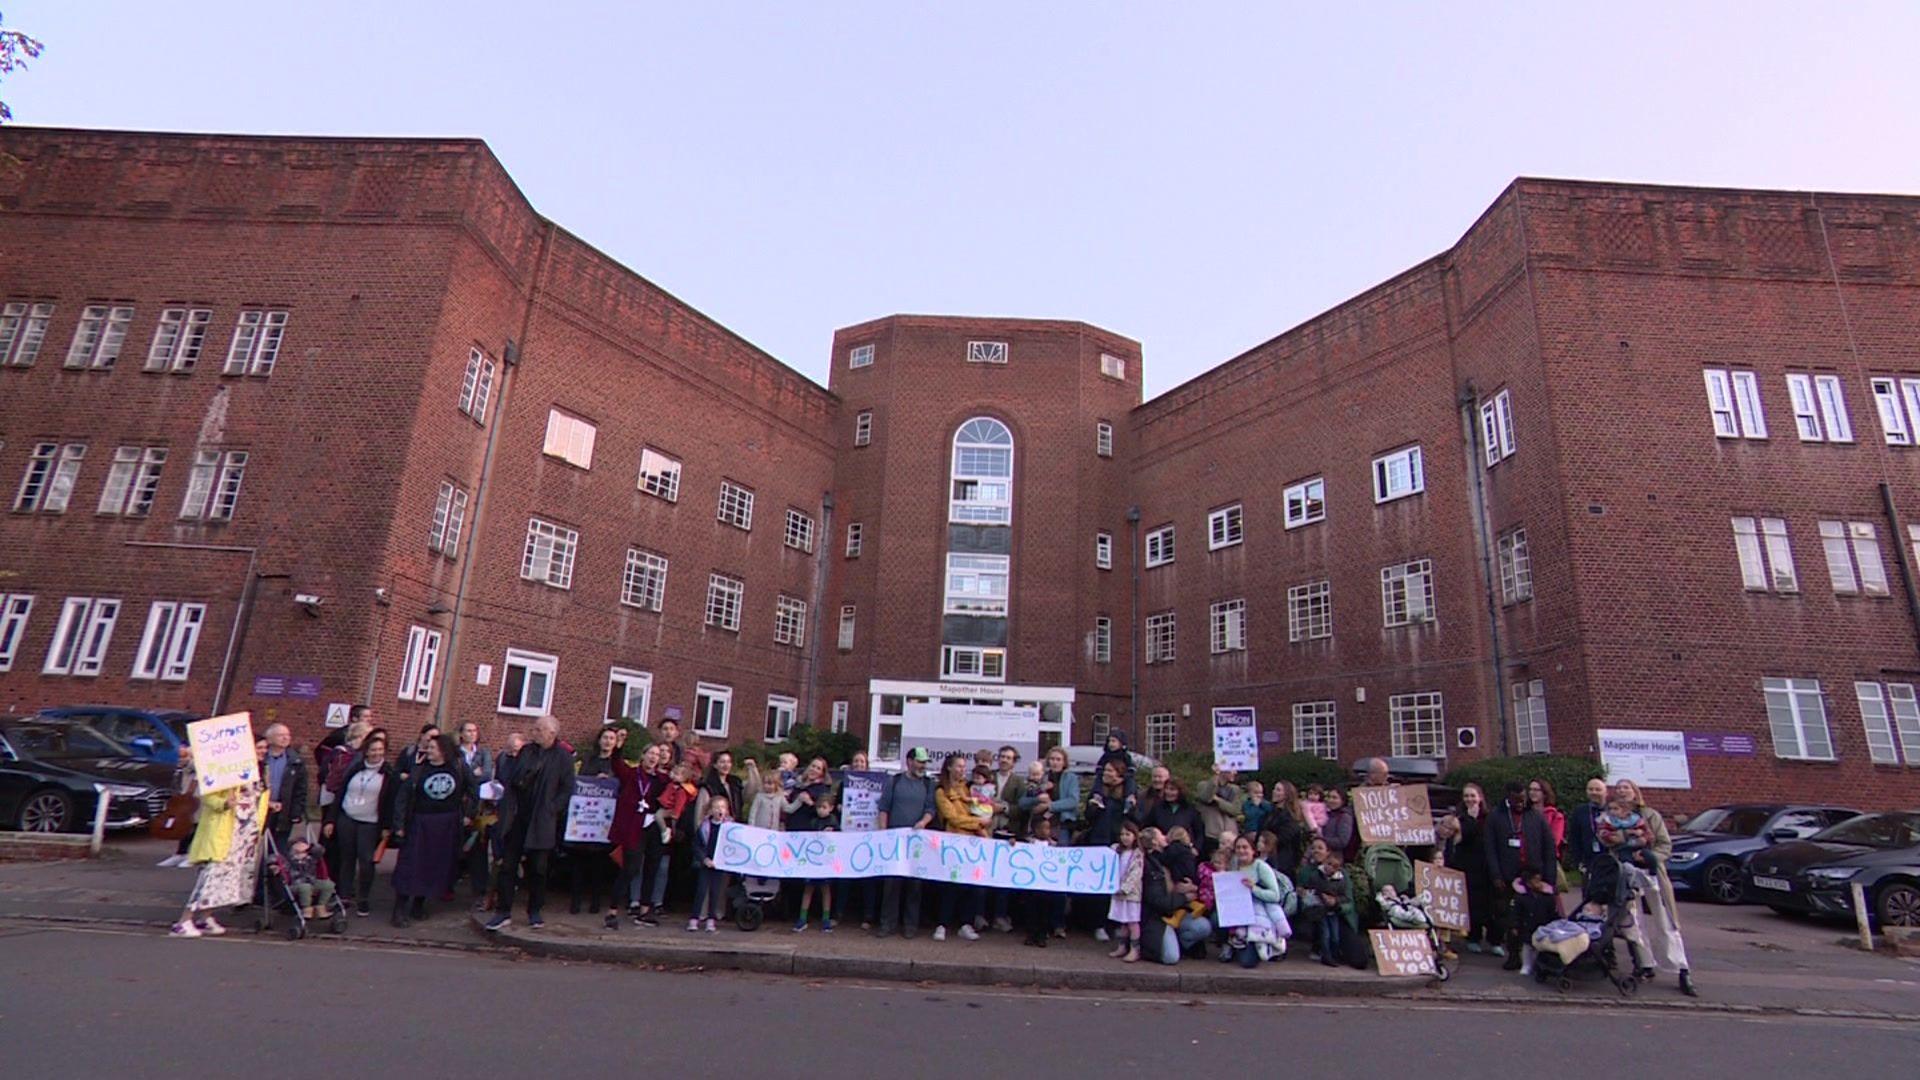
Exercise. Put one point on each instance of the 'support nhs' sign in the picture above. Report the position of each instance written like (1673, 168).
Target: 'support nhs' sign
(917, 853)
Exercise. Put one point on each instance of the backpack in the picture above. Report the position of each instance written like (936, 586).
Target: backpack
(1387, 864)
(1289, 896)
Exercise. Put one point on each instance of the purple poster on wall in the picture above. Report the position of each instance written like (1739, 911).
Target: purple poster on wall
(269, 686)
(303, 686)
(1722, 744)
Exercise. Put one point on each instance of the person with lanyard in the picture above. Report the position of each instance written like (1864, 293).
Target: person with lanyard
(1521, 858)
(1583, 826)
(427, 817)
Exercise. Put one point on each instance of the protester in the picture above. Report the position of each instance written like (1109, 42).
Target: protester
(427, 817)
(591, 869)
(1266, 937)
(632, 823)
(1147, 800)
(1659, 923)
(1466, 852)
(184, 784)
(656, 855)
(286, 776)
(1009, 822)
(1107, 807)
(1520, 858)
(1041, 907)
(1336, 933)
(1541, 797)
(1583, 827)
(710, 884)
(959, 903)
(1116, 752)
(1339, 829)
(1315, 804)
(1254, 807)
(1123, 910)
(1061, 796)
(720, 782)
(530, 815)
(1173, 811)
(226, 847)
(1378, 772)
(361, 818)
(1172, 918)
(415, 754)
(1286, 822)
(1218, 801)
(769, 804)
(907, 802)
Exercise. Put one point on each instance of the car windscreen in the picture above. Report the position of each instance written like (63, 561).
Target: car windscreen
(67, 739)
(1731, 820)
(1885, 831)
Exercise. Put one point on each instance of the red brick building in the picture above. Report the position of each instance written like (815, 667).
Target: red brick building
(304, 422)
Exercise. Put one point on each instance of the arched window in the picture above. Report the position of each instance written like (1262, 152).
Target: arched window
(982, 473)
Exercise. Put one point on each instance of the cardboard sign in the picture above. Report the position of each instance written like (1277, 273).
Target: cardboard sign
(1236, 741)
(223, 752)
(1653, 759)
(1395, 814)
(1402, 952)
(1232, 900)
(590, 811)
(1448, 889)
(860, 800)
(917, 853)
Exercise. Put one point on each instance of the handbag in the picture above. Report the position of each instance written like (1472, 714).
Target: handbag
(176, 820)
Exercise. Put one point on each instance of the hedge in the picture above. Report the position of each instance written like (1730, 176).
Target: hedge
(1567, 774)
(1195, 766)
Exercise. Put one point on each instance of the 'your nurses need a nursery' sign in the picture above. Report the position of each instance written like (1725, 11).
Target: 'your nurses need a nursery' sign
(917, 853)
(1396, 814)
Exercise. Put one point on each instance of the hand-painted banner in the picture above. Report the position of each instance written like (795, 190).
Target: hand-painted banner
(918, 853)
(223, 752)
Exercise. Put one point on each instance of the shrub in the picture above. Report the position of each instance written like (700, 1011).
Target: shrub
(804, 742)
(1300, 770)
(639, 736)
(1190, 767)
(1568, 775)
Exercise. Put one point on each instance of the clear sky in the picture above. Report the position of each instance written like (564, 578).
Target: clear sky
(1197, 176)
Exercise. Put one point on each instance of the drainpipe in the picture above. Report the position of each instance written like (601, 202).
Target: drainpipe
(1136, 737)
(1477, 456)
(1900, 556)
(240, 615)
(816, 614)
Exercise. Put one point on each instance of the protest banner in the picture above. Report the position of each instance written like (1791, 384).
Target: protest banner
(1402, 952)
(1395, 814)
(223, 752)
(590, 811)
(917, 853)
(1232, 900)
(860, 800)
(1236, 742)
(1448, 889)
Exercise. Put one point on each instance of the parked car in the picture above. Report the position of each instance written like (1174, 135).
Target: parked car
(53, 771)
(1880, 852)
(1707, 852)
(1415, 770)
(1082, 759)
(156, 735)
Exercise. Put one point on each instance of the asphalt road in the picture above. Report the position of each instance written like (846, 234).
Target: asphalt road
(81, 1002)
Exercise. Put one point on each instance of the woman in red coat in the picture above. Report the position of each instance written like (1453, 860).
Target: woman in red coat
(1540, 795)
(632, 816)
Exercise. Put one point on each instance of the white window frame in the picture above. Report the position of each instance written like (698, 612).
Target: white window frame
(1531, 735)
(1819, 408)
(1898, 403)
(1891, 717)
(643, 581)
(449, 520)
(1305, 502)
(1417, 724)
(476, 386)
(15, 609)
(1496, 427)
(1310, 611)
(1162, 734)
(1159, 546)
(855, 538)
(1794, 708)
(178, 339)
(530, 664)
(257, 335)
(23, 329)
(133, 481)
(1227, 621)
(659, 474)
(420, 665)
(712, 709)
(629, 683)
(1113, 367)
(168, 642)
(82, 636)
(1733, 399)
(1316, 729)
(1103, 550)
(1226, 527)
(841, 717)
(987, 352)
(1099, 726)
(863, 427)
(1766, 557)
(570, 438)
(1399, 474)
(735, 506)
(99, 336)
(725, 597)
(977, 584)
(783, 712)
(213, 485)
(1103, 438)
(981, 495)
(848, 619)
(1102, 639)
(790, 621)
(860, 356)
(1162, 634)
(1400, 603)
(53, 471)
(549, 554)
(799, 531)
(1854, 563)
(1516, 567)
(973, 663)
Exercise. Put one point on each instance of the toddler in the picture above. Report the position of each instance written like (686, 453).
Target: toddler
(981, 793)
(1625, 828)
(824, 820)
(1037, 782)
(710, 883)
(1255, 807)
(306, 869)
(1124, 908)
(789, 774)
(1042, 908)
(767, 803)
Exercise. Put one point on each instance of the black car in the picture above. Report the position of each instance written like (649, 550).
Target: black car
(1707, 853)
(53, 771)
(1880, 852)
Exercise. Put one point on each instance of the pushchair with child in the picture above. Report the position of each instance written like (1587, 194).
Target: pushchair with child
(1586, 938)
(277, 895)
(1410, 913)
(751, 897)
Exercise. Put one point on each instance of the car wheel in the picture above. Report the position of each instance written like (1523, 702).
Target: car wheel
(45, 811)
(1898, 905)
(1722, 878)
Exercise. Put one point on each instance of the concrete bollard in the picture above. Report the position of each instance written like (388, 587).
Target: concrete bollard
(1860, 917)
(100, 818)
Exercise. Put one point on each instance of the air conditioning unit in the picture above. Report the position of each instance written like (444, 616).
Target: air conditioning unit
(1466, 738)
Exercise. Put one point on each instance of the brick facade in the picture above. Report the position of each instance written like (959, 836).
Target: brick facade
(1594, 309)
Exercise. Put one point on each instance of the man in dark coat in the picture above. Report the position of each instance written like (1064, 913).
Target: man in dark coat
(531, 812)
(1583, 825)
(1520, 852)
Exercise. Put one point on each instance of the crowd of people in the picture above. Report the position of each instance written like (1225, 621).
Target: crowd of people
(458, 813)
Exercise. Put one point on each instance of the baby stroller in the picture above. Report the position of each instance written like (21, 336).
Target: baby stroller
(1410, 913)
(1586, 939)
(751, 896)
(277, 896)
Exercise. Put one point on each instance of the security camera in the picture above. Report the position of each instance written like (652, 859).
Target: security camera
(380, 596)
(306, 600)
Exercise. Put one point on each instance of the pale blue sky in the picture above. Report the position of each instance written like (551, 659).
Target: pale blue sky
(1197, 176)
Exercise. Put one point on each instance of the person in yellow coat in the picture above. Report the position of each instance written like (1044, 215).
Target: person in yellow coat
(226, 847)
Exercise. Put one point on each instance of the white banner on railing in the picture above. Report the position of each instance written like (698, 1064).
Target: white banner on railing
(917, 853)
